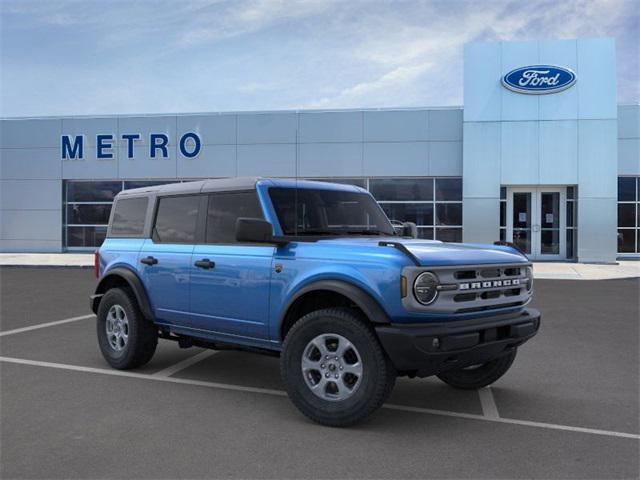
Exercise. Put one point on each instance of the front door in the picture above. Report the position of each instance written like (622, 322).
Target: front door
(230, 281)
(536, 221)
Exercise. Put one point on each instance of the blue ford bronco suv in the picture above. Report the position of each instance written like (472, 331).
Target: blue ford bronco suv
(315, 273)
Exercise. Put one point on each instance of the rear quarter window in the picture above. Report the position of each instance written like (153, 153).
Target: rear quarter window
(128, 217)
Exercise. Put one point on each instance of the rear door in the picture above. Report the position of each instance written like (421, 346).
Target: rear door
(229, 280)
(166, 257)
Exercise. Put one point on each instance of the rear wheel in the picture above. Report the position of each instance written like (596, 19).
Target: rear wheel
(334, 368)
(478, 376)
(127, 339)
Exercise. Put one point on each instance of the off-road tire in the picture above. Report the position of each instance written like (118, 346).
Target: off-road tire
(142, 333)
(378, 376)
(486, 374)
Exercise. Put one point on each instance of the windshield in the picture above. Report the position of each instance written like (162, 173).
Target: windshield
(305, 211)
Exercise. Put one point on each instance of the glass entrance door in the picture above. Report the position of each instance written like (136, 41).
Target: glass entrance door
(536, 221)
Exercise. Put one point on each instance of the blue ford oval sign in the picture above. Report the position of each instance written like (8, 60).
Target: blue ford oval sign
(539, 79)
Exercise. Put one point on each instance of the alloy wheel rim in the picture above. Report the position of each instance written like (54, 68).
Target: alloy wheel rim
(332, 367)
(117, 328)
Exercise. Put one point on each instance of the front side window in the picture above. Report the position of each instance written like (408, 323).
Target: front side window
(176, 219)
(328, 212)
(225, 209)
(129, 216)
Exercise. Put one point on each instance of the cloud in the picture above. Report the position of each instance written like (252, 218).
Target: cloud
(361, 92)
(89, 57)
(227, 20)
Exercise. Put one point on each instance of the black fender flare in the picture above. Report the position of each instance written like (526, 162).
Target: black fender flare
(133, 281)
(363, 300)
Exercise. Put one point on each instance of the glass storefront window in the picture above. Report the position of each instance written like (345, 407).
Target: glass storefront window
(401, 189)
(92, 191)
(88, 214)
(418, 213)
(86, 236)
(628, 215)
(433, 204)
(449, 189)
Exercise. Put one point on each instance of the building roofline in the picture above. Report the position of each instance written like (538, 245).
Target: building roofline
(233, 112)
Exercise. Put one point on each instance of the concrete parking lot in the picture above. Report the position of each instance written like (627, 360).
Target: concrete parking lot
(569, 408)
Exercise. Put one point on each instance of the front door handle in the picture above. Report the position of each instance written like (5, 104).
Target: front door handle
(149, 260)
(205, 263)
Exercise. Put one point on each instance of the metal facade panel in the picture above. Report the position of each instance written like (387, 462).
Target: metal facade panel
(90, 128)
(561, 105)
(445, 159)
(482, 89)
(558, 163)
(30, 163)
(396, 126)
(30, 133)
(330, 159)
(213, 161)
(267, 128)
(597, 154)
(267, 160)
(597, 235)
(516, 106)
(481, 220)
(519, 153)
(629, 121)
(597, 78)
(396, 159)
(445, 124)
(143, 166)
(32, 225)
(330, 127)
(481, 154)
(31, 194)
(91, 167)
(147, 125)
(212, 129)
(629, 156)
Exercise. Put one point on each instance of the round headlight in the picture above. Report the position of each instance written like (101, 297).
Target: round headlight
(425, 288)
(529, 279)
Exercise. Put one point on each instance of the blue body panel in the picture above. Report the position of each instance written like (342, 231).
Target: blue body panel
(243, 299)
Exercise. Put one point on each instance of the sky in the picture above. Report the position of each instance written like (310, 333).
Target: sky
(95, 57)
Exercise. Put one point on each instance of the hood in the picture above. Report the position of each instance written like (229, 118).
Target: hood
(442, 254)
(435, 253)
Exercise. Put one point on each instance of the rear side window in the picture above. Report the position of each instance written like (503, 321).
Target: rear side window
(224, 210)
(128, 217)
(176, 219)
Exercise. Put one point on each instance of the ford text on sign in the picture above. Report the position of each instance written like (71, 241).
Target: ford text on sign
(539, 79)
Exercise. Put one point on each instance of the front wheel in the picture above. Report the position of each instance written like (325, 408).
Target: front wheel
(334, 368)
(479, 376)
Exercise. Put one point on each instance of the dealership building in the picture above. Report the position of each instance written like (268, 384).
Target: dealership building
(540, 154)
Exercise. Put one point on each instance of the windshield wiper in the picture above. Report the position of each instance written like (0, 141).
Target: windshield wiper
(314, 232)
(367, 231)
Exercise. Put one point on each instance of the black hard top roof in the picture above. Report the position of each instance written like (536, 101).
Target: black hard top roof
(199, 186)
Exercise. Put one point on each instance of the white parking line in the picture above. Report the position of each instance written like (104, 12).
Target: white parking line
(489, 408)
(280, 393)
(186, 363)
(45, 325)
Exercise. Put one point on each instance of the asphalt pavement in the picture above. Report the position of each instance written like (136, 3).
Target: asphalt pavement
(568, 408)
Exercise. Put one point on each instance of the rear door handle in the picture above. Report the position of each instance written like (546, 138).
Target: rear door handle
(205, 263)
(149, 260)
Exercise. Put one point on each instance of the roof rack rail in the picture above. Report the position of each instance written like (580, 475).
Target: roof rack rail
(402, 248)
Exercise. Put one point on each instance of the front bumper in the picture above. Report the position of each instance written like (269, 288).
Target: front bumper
(428, 349)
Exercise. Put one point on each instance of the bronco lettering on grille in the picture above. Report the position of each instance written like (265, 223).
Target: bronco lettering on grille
(489, 284)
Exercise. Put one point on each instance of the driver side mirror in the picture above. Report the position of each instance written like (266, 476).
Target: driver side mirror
(409, 229)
